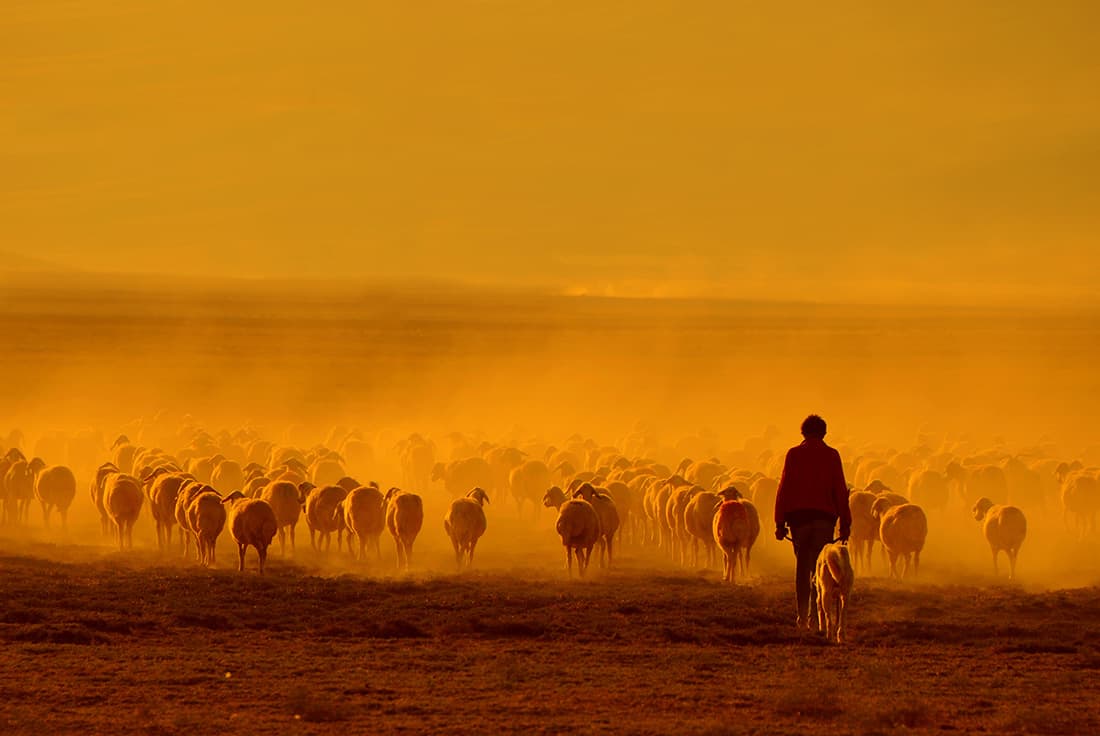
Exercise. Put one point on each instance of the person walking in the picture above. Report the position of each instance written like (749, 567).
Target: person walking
(812, 497)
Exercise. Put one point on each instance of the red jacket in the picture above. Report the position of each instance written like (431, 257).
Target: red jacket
(813, 480)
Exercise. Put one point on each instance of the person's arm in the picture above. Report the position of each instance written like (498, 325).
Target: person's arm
(840, 491)
(781, 499)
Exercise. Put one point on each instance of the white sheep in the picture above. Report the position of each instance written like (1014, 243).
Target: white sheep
(227, 477)
(578, 525)
(732, 531)
(325, 516)
(554, 498)
(163, 495)
(206, 518)
(365, 517)
(326, 470)
(929, 489)
(251, 522)
(1004, 527)
(123, 498)
(465, 523)
(609, 517)
(833, 579)
(404, 518)
(988, 481)
(675, 506)
(903, 530)
(255, 485)
(527, 482)
(754, 533)
(865, 527)
(1081, 500)
(189, 489)
(55, 487)
(461, 475)
(286, 501)
(19, 491)
(698, 518)
(98, 488)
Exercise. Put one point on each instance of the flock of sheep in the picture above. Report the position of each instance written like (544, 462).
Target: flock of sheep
(604, 496)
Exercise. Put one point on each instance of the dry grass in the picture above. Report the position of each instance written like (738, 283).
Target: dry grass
(169, 650)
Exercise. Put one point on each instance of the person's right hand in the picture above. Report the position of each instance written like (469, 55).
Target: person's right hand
(781, 533)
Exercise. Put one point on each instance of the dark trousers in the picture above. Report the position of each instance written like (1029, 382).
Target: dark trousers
(809, 537)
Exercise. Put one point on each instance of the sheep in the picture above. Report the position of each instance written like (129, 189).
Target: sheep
(678, 500)
(123, 499)
(206, 518)
(348, 483)
(628, 504)
(227, 477)
(417, 461)
(461, 475)
(255, 485)
(19, 488)
(1081, 500)
(733, 493)
(1005, 528)
(55, 487)
(929, 489)
(503, 461)
(187, 492)
(833, 580)
(609, 517)
(864, 532)
(763, 491)
(5, 464)
(251, 522)
(731, 528)
(655, 505)
(701, 473)
(465, 523)
(364, 511)
(324, 516)
(554, 498)
(123, 455)
(327, 471)
(1025, 486)
(902, 529)
(754, 533)
(162, 504)
(698, 517)
(526, 482)
(404, 518)
(637, 488)
(983, 481)
(253, 469)
(578, 525)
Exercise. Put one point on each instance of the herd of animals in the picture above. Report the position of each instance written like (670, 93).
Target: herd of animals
(604, 496)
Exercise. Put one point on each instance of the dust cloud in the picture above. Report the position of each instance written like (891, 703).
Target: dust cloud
(307, 363)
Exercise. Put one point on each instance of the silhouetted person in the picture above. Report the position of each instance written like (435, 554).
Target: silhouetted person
(812, 496)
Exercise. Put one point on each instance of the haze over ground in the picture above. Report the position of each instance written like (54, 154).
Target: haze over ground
(862, 152)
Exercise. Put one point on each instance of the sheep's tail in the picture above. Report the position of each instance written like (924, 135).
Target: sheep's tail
(270, 528)
(839, 562)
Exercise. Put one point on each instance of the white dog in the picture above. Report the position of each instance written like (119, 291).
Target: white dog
(833, 579)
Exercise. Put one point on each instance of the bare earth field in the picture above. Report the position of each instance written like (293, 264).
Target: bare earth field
(136, 645)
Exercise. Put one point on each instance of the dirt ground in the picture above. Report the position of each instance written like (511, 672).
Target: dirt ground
(97, 642)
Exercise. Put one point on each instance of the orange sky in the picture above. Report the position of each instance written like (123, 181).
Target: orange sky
(930, 151)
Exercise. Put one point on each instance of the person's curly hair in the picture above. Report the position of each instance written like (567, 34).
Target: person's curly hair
(813, 426)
